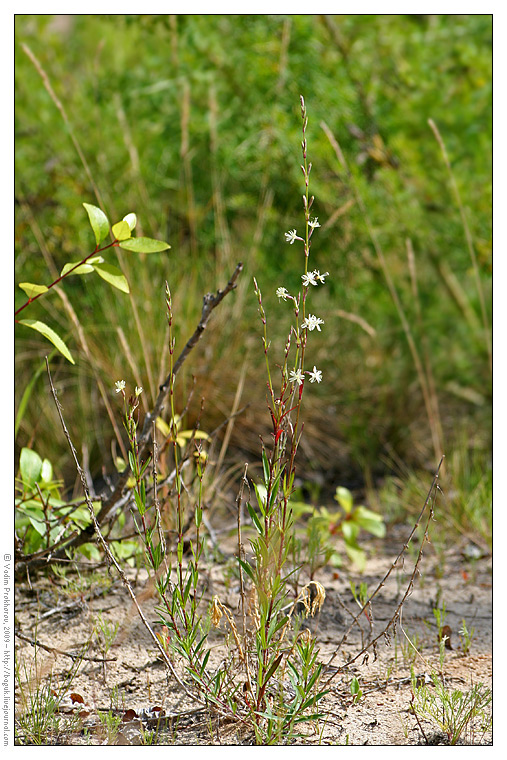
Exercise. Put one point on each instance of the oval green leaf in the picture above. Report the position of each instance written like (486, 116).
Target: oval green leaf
(370, 521)
(99, 222)
(46, 472)
(50, 334)
(113, 276)
(144, 245)
(31, 289)
(121, 230)
(163, 427)
(131, 220)
(81, 269)
(344, 498)
(30, 466)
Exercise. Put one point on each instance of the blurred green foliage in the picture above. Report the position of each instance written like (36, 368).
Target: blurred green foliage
(193, 123)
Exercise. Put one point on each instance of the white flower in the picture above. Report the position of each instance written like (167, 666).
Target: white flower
(311, 322)
(318, 276)
(314, 222)
(290, 236)
(139, 390)
(119, 386)
(315, 375)
(283, 293)
(308, 279)
(296, 377)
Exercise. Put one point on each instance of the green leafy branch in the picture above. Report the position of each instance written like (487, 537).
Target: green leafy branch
(347, 522)
(122, 234)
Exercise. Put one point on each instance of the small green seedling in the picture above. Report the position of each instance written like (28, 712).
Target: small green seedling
(356, 691)
(455, 713)
(465, 637)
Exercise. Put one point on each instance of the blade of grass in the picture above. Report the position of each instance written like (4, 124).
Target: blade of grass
(469, 240)
(437, 443)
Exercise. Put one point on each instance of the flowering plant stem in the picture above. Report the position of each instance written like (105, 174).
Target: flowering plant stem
(272, 546)
(276, 649)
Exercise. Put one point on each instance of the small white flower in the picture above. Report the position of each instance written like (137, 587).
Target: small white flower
(308, 279)
(139, 390)
(315, 375)
(119, 386)
(290, 236)
(283, 293)
(311, 322)
(296, 377)
(314, 222)
(318, 276)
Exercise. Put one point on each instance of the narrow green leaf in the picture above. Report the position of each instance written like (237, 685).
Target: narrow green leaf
(273, 668)
(187, 588)
(261, 494)
(265, 467)
(31, 289)
(246, 567)
(144, 245)
(205, 661)
(113, 276)
(144, 467)
(99, 222)
(131, 220)
(121, 230)
(275, 626)
(274, 491)
(50, 334)
(28, 392)
(255, 519)
(139, 503)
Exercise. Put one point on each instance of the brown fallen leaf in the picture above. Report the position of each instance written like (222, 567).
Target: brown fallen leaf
(445, 632)
(128, 716)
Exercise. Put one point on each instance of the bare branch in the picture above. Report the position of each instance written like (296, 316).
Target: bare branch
(210, 302)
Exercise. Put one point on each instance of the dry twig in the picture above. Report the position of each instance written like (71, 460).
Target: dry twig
(367, 605)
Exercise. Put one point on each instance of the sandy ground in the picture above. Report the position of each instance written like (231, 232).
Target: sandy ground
(62, 617)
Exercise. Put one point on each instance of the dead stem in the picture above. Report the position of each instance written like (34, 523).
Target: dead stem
(210, 302)
(430, 499)
(105, 546)
(37, 643)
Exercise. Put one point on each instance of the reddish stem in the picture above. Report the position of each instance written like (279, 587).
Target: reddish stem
(97, 250)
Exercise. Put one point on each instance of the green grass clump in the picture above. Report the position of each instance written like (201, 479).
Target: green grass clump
(190, 120)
